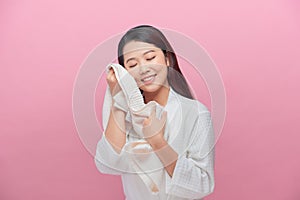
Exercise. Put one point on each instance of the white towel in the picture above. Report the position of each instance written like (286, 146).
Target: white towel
(130, 100)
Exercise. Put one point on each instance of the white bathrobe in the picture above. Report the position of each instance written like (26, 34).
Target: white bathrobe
(189, 131)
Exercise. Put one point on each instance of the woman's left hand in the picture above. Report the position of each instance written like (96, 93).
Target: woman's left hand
(154, 128)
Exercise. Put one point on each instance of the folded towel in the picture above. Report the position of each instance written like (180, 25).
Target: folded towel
(131, 101)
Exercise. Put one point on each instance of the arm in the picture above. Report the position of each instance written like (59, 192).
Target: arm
(153, 131)
(193, 176)
(190, 175)
(115, 131)
(110, 157)
(165, 153)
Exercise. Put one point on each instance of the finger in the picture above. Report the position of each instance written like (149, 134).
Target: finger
(112, 71)
(146, 121)
(151, 116)
(109, 74)
(164, 116)
(153, 113)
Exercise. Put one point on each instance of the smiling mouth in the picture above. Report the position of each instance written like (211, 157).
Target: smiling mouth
(148, 78)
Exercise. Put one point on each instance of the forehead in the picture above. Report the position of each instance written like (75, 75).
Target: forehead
(136, 47)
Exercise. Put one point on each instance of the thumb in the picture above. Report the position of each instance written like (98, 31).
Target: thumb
(146, 121)
(164, 115)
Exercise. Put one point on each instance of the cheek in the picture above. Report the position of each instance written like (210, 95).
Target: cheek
(162, 61)
(134, 74)
(162, 75)
(161, 69)
(158, 67)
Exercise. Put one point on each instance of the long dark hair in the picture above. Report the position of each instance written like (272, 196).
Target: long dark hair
(151, 35)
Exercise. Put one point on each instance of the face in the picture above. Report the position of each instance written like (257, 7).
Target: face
(147, 64)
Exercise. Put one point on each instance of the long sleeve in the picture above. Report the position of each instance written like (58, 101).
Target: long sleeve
(107, 160)
(193, 176)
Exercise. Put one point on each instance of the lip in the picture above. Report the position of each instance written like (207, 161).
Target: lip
(153, 75)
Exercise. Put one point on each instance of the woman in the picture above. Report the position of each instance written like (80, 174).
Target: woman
(147, 55)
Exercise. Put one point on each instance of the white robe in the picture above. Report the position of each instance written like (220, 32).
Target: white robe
(189, 131)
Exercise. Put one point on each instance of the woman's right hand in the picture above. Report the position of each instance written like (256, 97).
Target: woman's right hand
(112, 82)
(114, 88)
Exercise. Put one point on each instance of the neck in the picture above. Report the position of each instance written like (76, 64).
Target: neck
(160, 96)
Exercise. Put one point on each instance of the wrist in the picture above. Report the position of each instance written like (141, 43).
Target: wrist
(157, 142)
(119, 104)
(118, 112)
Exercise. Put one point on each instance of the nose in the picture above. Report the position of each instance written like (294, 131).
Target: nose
(144, 69)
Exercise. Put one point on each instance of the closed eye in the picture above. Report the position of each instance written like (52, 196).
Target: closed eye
(151, 58)
(132, 66)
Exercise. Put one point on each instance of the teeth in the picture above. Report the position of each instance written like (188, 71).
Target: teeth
(148, 78)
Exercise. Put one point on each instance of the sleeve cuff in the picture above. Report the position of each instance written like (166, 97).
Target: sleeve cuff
(106, 154)
(171, 181)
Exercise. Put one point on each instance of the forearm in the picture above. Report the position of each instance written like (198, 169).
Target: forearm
(166, 154)
(115, 131)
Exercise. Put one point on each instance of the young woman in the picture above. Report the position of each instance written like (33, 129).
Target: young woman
(182, 139)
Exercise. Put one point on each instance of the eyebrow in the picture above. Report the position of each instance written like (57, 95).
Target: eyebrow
(143, 55)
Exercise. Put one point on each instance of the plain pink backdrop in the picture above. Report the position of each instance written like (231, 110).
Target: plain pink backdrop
(255, 45)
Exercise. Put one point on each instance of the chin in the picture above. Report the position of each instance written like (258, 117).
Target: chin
(150, 88)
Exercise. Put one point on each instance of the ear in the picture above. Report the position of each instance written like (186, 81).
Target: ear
(167, 60)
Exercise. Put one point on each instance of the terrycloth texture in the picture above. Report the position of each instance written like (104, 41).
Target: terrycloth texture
(190, 133)
(130, 100)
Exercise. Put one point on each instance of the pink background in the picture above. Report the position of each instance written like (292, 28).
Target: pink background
(255, 45)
